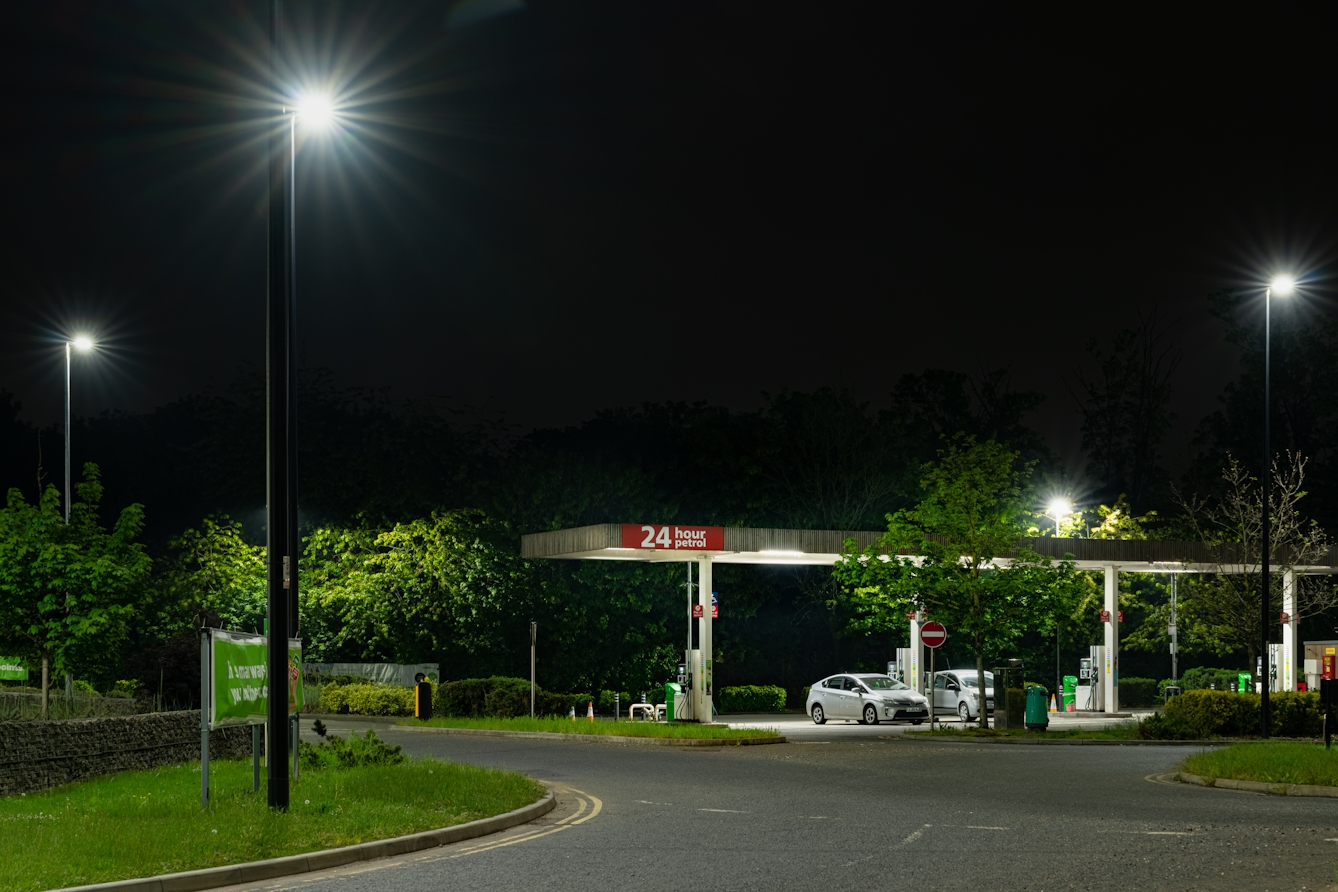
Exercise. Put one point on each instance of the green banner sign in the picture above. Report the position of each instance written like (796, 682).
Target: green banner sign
(12, 669)
(239, 688)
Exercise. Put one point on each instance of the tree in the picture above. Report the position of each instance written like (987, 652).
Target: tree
(1219, 613)
(214, 575)
(945, 556)
(1126, 412)
(68, 590)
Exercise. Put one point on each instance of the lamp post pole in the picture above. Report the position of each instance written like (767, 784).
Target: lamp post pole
(281, 427)
(1265, 532)
(68, 346)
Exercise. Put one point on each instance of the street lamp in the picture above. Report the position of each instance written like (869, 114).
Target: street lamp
(1283, 286)
(1057, 510)
(282, 539)
(83, 344)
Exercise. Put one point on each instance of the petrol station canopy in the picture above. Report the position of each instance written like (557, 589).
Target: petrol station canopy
(752, 545)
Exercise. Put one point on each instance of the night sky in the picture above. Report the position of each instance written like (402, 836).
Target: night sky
(560, 207)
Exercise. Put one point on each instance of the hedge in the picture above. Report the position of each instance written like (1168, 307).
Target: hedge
(1202, 678)
(1200, 714)
(751, 698)
(1138, 692)
(366, 699)
(503, 698)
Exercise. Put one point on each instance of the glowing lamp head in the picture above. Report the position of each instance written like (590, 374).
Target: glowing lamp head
(315, 110)
(83, 343)
(1282, 286)
(1060, 508)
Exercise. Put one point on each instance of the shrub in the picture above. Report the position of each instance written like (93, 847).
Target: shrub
(751, 698)
(367, 699)
(1202, 678)
(604, 705)
(1200, 714)
(83, 687)
(1138, 692)
(336, 752)
(500, 697)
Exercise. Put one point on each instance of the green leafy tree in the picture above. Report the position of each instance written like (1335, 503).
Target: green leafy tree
(214, 575)
(67, 591)
(956, 555)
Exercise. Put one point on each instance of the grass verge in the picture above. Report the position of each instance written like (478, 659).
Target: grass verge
(1122, 731)
(1269, 762)
(616, 729)
(143, 823)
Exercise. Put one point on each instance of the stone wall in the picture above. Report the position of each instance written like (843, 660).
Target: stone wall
(39, 755)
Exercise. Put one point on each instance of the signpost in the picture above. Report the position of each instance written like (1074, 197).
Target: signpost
(932, 634)
(671, 537)
(234, 690)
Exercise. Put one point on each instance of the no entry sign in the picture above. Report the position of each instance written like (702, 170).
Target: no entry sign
(933, 634)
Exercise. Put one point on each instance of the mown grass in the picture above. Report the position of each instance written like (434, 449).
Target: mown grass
(1270, 762)
(143, 823)
(1122, 731)
(581, 726)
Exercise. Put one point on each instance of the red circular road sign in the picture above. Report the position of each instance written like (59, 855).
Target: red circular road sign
(933, 634)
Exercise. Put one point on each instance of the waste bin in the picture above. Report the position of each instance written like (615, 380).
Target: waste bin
(673, 696)
(1244, 682)
(1038, 713)
(1172, 690)
(1070, 694)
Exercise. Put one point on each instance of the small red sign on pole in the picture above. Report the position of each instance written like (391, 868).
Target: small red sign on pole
(1105, 616)
(1285, 618)
(696, 611)
(933, 634)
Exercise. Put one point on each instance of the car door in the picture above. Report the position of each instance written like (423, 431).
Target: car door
(941, 695)
(854, 698)
(825, 693)
(838, 698)
(952, 694)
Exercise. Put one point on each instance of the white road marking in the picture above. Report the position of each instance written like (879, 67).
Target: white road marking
(724, 811)
(974, 827)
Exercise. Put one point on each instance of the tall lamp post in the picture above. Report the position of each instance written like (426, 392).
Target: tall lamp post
(283, 542)
(1283, 287)
(1057, 509)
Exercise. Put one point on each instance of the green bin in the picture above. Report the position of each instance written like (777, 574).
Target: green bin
(1245, 683)
(1038, 712)
(671, 689)
(1070, 694)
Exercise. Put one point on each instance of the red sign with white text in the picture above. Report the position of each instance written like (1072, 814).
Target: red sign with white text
(670, 537)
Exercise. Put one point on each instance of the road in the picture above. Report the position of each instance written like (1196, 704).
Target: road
(850, 807)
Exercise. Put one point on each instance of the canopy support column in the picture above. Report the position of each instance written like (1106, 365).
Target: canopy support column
(1110, 673)
(1287, 670)
(701, 689)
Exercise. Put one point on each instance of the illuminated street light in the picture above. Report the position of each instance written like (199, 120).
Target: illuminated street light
(84, 344)
(1283, 285)
(1057, 510)
(315, 110)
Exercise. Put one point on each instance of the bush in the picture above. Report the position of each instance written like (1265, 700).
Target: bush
(367, 699)
(1138, 692)
(751, 698)
(336, 752)
(501, 697)
(85, 688)
(1203, 679)
(1200, 714)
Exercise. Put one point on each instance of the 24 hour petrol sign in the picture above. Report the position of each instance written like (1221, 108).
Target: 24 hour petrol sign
(669, 537)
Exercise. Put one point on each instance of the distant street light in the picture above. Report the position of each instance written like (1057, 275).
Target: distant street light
(1283, 286)
(83, 344)
(1057, 510)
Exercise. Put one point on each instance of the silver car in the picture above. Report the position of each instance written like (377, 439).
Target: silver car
(867, 699)
(957, 691)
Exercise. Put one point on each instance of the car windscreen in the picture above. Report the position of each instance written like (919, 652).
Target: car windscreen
(883, 683)
(970, 680)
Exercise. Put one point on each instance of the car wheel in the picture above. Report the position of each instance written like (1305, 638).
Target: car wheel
(965, 712)
(819, 717)
(870, 715)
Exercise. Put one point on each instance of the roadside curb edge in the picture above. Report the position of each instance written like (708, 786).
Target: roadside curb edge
(289, 865)
(1226, 783)
(600, 738)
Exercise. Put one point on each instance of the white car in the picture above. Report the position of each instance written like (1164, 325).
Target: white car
(867, 699)
(955, 692)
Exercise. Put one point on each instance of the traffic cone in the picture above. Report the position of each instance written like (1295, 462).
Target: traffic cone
(573, 713)
(590, 711)
(1053, 706)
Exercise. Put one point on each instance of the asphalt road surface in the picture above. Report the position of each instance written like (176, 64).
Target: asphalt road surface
(849, 807)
